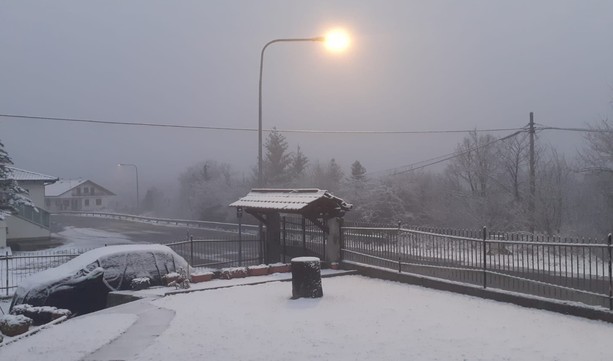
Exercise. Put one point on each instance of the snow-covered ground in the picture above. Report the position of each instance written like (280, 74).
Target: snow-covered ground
(87, 238)
(357, 319)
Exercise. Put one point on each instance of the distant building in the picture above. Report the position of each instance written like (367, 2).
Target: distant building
(30, 223)
(77, 195)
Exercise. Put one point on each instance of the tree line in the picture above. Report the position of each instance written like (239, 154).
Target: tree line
(485, 183)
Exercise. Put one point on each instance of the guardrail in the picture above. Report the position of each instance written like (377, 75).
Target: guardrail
(218, 226)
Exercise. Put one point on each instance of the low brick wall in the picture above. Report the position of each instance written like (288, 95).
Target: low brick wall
(573, 309)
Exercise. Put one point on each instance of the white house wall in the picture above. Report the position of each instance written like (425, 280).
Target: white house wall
(2, 234)
(18, 228)
(36, 192)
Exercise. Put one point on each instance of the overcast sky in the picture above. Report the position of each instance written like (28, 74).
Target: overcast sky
(413, 65)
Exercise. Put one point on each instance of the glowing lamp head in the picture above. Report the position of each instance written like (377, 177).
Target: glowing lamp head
(337, 40)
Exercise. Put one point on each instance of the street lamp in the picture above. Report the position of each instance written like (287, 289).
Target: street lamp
(336, 40)
(136, 170)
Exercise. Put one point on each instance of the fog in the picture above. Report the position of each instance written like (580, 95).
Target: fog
(412, 66)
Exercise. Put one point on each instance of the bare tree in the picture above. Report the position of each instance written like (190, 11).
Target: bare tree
(206, 189)
(513, 157)
(475, 164)
(552, 194)
(598, 156)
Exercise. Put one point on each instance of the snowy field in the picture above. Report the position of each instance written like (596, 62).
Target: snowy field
(357, 319)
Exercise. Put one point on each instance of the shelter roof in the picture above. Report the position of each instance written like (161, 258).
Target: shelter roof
(292, 201)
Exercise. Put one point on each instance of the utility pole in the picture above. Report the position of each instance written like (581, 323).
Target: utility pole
(531, 209)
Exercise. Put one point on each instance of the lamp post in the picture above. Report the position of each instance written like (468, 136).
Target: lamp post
(336, 40)
(136, 170)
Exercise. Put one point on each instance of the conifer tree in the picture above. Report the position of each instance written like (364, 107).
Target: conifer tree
(276, 160)
(11, 194)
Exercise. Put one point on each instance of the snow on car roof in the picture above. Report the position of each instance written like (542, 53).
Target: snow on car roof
(77, 263)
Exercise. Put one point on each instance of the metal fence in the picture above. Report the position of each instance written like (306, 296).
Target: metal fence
(301, 237)
(567, 269)
(231, 251)
(238, 245)
(15, 267)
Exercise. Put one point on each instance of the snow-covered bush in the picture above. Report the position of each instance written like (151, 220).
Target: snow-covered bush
(13, 325)
(40, 315)
(140, 283)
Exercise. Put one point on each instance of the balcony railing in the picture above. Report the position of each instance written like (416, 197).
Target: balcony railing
(34, 214)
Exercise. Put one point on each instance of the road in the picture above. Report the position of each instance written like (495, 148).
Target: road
(135, 232)
(210, 247)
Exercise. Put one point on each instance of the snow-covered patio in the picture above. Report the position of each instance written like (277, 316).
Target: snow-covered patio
(357, 319)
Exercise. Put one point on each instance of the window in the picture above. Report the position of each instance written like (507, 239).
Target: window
(87, 202)
(47, 203)
(98, 202)
(86, 190)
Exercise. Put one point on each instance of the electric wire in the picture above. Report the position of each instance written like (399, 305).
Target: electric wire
(443, 158)
(239, 129)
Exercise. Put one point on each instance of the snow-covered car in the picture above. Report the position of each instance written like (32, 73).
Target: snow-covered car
(82, 284)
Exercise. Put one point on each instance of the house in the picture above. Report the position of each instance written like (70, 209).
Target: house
(30, 223)
(77, 195)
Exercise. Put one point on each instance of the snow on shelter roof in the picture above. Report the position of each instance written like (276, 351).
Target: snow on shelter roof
(26, 175)
(288, 199)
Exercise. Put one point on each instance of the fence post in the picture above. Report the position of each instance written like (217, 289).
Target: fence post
(191, 250)
(303, 237)
(341, 237)
(240, 236)
(284, 239)
(484, 257)
(610, 274)
(7, 272)
(398, 248)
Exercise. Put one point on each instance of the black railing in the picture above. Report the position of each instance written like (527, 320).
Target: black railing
(16, 267)
(301, 237)
(219, 253)
(561, 269)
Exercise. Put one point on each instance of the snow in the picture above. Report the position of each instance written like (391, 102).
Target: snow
(305, 259)
(14, 320)
(260, 266)
(90, 238)
(62, 186)
(357, 319)
(71, 340)
(5, 302)
(76, 264)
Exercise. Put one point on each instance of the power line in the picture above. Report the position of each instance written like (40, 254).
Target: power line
(446, 157)
(585, 130)
(108, 122)
(238, 129)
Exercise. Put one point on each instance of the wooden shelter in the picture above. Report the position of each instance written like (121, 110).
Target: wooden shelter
(267, 205)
